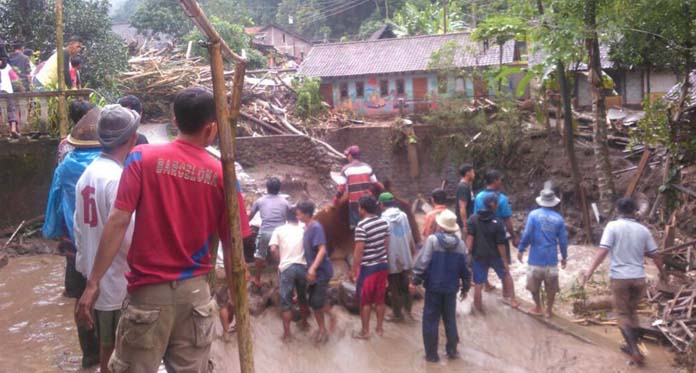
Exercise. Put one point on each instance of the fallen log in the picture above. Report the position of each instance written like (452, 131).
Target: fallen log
(260, 123)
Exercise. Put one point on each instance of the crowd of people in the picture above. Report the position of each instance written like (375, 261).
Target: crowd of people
(18, 73)
(138, 222)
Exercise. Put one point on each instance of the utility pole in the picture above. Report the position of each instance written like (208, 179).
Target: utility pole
(60, 60)
(444, 16)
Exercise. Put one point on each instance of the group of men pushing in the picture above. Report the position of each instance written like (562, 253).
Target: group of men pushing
(144, 238)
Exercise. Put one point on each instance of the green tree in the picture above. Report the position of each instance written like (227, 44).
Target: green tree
(233, 35)
(105, 55)
(163, 17)
(422, 17)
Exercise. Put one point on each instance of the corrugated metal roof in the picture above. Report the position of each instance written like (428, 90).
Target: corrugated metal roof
(397, 55)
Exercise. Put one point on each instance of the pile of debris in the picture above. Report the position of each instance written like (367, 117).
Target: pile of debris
(675, 300)
(267, 101)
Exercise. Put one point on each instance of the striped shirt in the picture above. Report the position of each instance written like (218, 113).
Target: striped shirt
(356, 179)
(373, 231)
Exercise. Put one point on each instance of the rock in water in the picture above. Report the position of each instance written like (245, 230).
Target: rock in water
(346, 296)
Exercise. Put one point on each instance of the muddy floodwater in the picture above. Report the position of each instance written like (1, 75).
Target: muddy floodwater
(38, 335)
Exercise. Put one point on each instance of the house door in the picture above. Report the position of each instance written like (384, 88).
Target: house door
(326, 93)
(420, 91)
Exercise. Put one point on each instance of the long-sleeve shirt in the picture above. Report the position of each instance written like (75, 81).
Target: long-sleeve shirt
(442, 265)
(544, 233)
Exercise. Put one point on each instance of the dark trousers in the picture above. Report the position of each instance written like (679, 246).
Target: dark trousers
(437, 306)
(75, 285)
(398, 292)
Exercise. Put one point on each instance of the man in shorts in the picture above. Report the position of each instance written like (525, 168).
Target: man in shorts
(370, 265)
(544, 233)
(486, 243)
(177, 193)
(628, 242)
(273, 210)
(286, 244)
(320, 270)
(96, 192)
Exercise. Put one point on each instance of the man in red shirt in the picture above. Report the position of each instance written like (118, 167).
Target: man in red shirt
(177, 193)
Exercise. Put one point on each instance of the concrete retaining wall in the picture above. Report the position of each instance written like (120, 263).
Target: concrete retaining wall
(25, 177)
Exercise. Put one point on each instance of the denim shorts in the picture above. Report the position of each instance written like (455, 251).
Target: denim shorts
(291, 279)
(318, 294)
(481, 266)
(262, 240)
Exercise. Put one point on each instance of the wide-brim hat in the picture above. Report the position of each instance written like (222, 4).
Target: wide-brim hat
(547, 198)
(447, 221)
(84, 134)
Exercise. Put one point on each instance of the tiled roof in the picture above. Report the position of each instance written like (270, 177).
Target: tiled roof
(397, 55)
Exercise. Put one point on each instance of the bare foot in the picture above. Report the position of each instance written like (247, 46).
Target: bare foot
(379, 332)
(536, 311)
(548, 314)
(394, 319)
(321, 337)
(360, 335)
(287, 337)
(512, 302)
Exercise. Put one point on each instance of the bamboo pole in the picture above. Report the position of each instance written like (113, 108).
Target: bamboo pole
(234, 262)
(62, 110)
(227, 123)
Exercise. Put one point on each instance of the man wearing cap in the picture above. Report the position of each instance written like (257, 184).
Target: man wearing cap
(486, 242)
(177, 194)
(544, 234)
(60, 210)
(400, 254)
(442, 268)
(96, 192)
(356, 180)
(628, 242)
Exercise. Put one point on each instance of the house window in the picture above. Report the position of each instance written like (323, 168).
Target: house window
(384, 88)
(359, 89)
(442, 84)
(343, 87)
(459, 85)
(400, 87)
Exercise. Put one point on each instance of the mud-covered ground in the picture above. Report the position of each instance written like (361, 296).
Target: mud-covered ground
(38, 335)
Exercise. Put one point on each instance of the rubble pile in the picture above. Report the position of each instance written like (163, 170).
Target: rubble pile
(675, 298)
(267, 102)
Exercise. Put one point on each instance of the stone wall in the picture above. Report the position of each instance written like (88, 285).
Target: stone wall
(25, 175)
(388, 161)
(285, 149)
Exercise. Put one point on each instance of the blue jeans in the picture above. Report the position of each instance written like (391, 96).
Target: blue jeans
(439, 305)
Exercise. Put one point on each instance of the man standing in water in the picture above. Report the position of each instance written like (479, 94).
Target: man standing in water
(177, 193)
(96, 192)
(545, 234)
(286, 243)
(370, 265)
(320, 270)
(443, 270)
(486, 242)
(273, 209)
(628, 242)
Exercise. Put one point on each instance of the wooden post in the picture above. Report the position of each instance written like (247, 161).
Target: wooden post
(234, 262)
(62, 110)
(227, 123)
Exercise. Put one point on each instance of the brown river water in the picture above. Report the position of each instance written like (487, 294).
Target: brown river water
(38, 335)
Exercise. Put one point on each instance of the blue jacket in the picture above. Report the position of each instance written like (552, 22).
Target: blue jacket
(544, 233)
(61, 199)
(441, 265)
